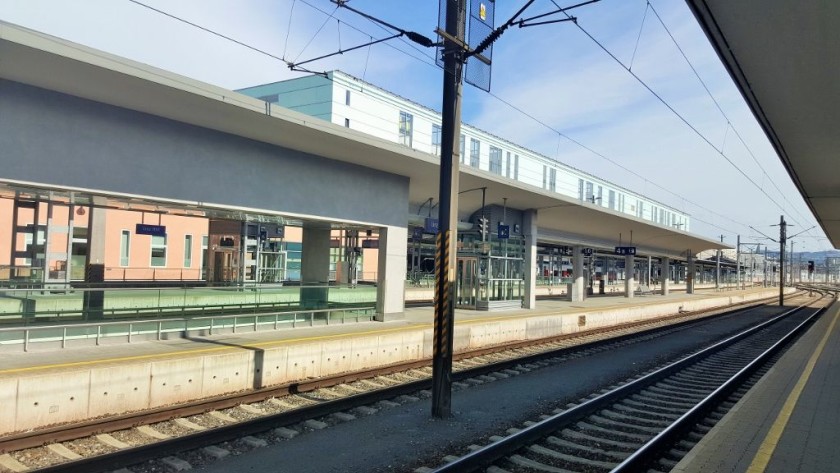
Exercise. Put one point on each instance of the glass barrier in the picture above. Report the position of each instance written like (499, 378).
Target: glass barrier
(61, 304)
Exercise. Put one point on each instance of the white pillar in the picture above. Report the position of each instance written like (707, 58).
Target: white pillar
(390, 275)
(665, 275)
(315, 267)
(529, 229)
(94, 301)
(629, 270)
(689, 278)
(578, 289)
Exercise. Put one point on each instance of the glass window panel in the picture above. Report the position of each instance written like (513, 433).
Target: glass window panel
(125, 247)
(158, 251)
(187, 251)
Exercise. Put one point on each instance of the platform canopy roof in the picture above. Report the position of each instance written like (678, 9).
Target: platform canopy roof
(48, 62)
(784, 56)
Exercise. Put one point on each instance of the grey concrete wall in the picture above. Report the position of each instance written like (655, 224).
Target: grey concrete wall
(57, 139)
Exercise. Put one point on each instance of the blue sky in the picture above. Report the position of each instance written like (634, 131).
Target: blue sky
(554, 73)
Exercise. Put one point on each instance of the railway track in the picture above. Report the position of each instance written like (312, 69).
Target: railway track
(647, 424)
(111, 443)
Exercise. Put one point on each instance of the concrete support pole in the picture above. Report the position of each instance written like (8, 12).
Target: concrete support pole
(390, 274)
(690, 275)
(650, 268)
(96, 236)
(48, 239)
(578, 286)
(629, 270)
(94, 301)
(315, 267)
(529, 229)
(665, 275)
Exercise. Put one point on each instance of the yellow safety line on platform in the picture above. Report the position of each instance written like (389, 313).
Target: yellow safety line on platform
(291, 340)
(771, 441)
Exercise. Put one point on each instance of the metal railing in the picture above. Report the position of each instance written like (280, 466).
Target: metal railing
(27, 306)
(159, 329)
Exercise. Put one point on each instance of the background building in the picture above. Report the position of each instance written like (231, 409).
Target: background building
(351, 102)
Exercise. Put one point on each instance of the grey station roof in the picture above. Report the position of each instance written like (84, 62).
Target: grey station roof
(45, 61)
(784, 55)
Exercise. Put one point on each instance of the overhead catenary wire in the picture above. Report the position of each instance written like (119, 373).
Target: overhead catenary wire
(717, 104)
(289, 28)
(678, 115)
(431, 64)
(330, 15)
(639, 36)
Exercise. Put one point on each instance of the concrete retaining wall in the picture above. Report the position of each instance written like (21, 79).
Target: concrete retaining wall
(36, 400)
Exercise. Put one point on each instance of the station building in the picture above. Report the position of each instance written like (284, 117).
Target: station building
(348, 101)
(153, 181)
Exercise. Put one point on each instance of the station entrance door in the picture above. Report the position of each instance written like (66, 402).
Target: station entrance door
(467, 283)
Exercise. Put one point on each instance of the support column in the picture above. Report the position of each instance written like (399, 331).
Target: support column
(690, 275)
(578, 286)
(95, 264)
(629, 270)
(650, 268)
(529, 229)
(665, 275)
(390, 274)
(315, 267)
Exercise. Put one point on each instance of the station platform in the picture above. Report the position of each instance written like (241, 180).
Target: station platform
(48, 387)
(788, 422)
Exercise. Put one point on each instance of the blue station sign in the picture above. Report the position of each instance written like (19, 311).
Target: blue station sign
(587, 251)
(431, 225)
(503, 232)
(154, 230)
(625, 250)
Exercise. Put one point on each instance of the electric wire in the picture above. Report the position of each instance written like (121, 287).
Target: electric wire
(639, 37)
(720, 109)
(675, 112)
(326, 20)
(289, 28)
(330, 15)
(581, 145)
(208, 30)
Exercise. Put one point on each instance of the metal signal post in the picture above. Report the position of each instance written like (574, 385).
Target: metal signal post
(782, 239)
(446, 242)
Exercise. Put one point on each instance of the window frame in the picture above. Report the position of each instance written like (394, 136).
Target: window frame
(436, 138)
(152, 248)
(495, 160)
(475, 153)
(127, 250)
(406, 128)
(188, 250)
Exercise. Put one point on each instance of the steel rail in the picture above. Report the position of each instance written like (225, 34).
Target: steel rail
(113, 423)
(649, 452)
(485, 456)
(140, 453)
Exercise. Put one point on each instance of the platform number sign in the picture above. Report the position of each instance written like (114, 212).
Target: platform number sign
(625, 250)
(503, 232)
(587, 251)
(431, 225)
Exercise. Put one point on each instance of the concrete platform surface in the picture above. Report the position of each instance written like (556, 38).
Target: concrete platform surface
(54, 386)
(790, 420)
(414, 317)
